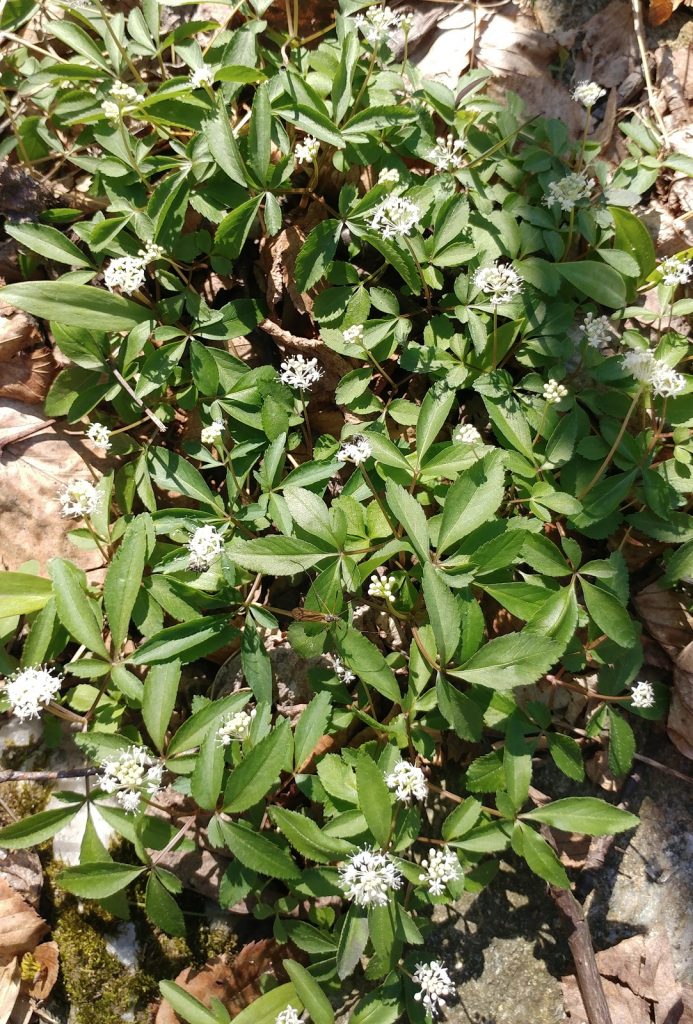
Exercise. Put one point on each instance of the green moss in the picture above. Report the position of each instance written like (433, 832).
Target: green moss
(20, 799)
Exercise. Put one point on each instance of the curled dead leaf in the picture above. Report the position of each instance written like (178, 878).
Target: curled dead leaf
(46, 957)
(27, 366)
(22, 869)
(665, 618)
(680, 720)
(21, 927)
(659, 11)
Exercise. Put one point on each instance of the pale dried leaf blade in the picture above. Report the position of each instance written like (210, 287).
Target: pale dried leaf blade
(680, 720)
(10, 980)
(23, 870)
(21, 928)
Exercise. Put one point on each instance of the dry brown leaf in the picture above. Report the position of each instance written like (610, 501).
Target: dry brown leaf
(665, 617)
(48, 958)
(609, 50)
(448, 54)
(27, 367)
(22, 869)
(660, 11)
(680, 720)
(20, 925)
(10, 980)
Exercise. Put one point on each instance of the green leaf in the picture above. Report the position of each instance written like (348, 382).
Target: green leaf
(267, 1008)
(257, 667)
(162, 909)
(517, 761)
(22, 593)
(192, 732)
(399, 258)
(259, 770)
(310, 513)
(472, 499)
(186, 1005)
(595, 280)
(633, 237)
(434, 411)
(444, 613)
(540, 857)
(276, 556)
(260, 132)
(460, 711)
(36, 828)
(609, 614)
(173, 473)
(208, 772)
(223, 147)
(160, 692)
(352, 941)
(313, 122)
(234, 229)
(409, 513)
(585, 814)
(567, 755)
(317, 252)
(74, 610)
(186, 641)
(312, 726)
(311, 995)
(374, 799)
(76, 304)
(305, 836)
(517, 659)
(462, 820)
(254, 850)
(364, 658)
(621, 744)
(48, 242)
(94, 881)
(123, 579)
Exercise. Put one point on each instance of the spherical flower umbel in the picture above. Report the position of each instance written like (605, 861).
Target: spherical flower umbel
(442, 866)
(123, 98)
(99, 435)
(395, 217)
(388, 175)
(344, 674)
(213, 432)
(79, 498)
(447, 154)
(599, 332)
(204, 548)
(642, 695)
(288, 1016)
(368, 878)
(676, 271)
(553, 392)
(378, 24)
(131, 775)
(124, 93)
(201, 76)
(381, 586)
(151, 251)
(664, 381)
(125, 273)
(236, 727)
(354, 334)
(568, 191)
(588, 93)
(31, 690)
(299, 372)
(435, 984)
(357, 449)
(500, 282)
(307, 150)
(466, 434)
(408, 782)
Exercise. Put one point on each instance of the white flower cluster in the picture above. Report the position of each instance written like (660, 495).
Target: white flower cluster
(442, 866)
(395, 217)
(307, 150)
(675, 271)
(588, 93)
(389, 175)
(356, 450)
(344, 674)
(642, 695)
(201, 76)
(78, 498)
(663, 380)
(381, 586)
(127, 272)
(500, 282)
(447, 154)
(134, 773)
(100, 435)
(31, 690)
(553, 392)
(378, 24)
(408, 782)
(466, 434)
(354, 334)
(288, 1016)
(212, 433)
(568, 191)
(299, 372)
(435, 984)
(368, 877)
(204, 548)
(599, 332)
(236, 727)
(123, 99)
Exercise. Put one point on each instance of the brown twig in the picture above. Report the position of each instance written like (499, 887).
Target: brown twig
(70, 773)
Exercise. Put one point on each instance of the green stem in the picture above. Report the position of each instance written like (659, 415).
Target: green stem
(614, 448)
(571, 228)
(426, 289)
(123, 52)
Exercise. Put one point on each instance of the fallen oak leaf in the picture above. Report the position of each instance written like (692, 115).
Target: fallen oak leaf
(21, 927)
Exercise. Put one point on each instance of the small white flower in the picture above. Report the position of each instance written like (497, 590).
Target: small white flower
(663, 380)
(212, 433)
(666, 382)
(202, 76)
(100, 435)
(553, 392)
(357, 449)
(204, 548)
(588, 93)
(354, 334)
(642, 695)
(368, 877)
(31, 690)
(299, 372)
(151, 252)
(79, 498)
(442, 866)
(288, 1016)
(306, 152)
(126, 273)
(599, 332)
(568, 191)
(448, 153)
(466, 434)
(381, 586)
(236, 727)
(111, 110)
(123, 98)
(131, 775)
(408, 782)
(388, 175)
(344, 674)
(435, 984)
(395, 217)
(639, 363)
(378, 24)
(500, 282)
(406, 21)
(124, 93)
(676, 271)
